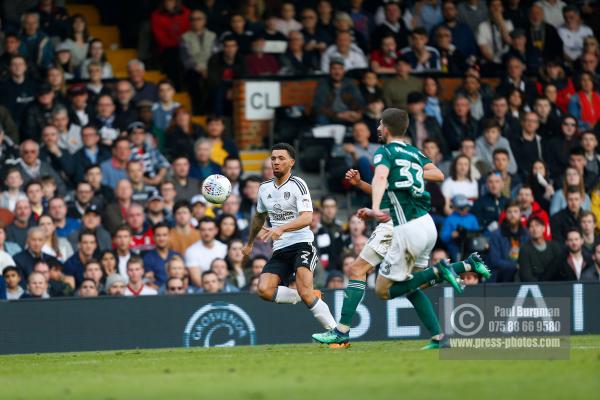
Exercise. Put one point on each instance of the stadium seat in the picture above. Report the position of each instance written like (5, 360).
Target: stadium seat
(252, 160)
(200, 120)
(154, 76)
(119, 59)
(108, 34)
(90, 12)
(6, 217)
(184, 99)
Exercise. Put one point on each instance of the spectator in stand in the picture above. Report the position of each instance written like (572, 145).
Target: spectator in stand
(221, 269)
(472, 13)
(195, 50)
(35, 45)
(538, 257)
(457, 226)
(8, 149)
(337, 99)
(221, 146)
(499, 113)
(475, 92)
(575, 262)
(89, 288)
(452, 61)
(115, 168)
(135, 175)
(578, 161)
(102, 194)
(342, 22)
(209, 283)
(169, 22)
(142, 234)
(394, 24)
(57, 287)
(249, 192)
(572, 32)
(422, 126)
(239, 32)
(235, 263)
(57, 208)
(287, 22)
(69, 134)
(541, 184)
(116, 285)
(13, 183)
(182, 134)
(530, 56)
(587, 224)
(91, 153)
(116, 211)
(490, 141)
(297, 60)
(12, 279)
(144, 90)
(500, 163)
(35, 195)
(182, 235)
(38, 113)
(434, 105)
(316, 38)
(572, 178)
(199, 255)
(549, 123)
(162, 111)
(154, 164)
(258, 63)
(155, 260)
(487, 208)
(515, 79)
(106, 119)
(37, 287)
(396, 89)
(136, 285)
(26, 259)
(529, 207)
(91, 220)
(185, 186)
(6, 246)
(585, 104)
(96, 87)
(223, 67)
(58, 247)
(87, 247)
(493, 36)
(385, 57)
(232, 170)
(462, 36)
(54, 154)
(459, 182)
(202, 165)
(459, 123)
(589, 143)
(228, 229)
(122, 243)
(125, 112)
(360, 153)
(175, 286)
(505, 244)
(568, 216)
(17, 231)
(558, 148)
(83, 198)
(18, 90)
(422, 58)
(541, 34)
(95, 54)
(347, 52)
(81, 111)
(589, 63)
(78, 39)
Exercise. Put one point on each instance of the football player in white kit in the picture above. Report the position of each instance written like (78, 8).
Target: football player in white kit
(286, 201)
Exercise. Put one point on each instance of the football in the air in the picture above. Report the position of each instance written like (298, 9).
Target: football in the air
(216, 188)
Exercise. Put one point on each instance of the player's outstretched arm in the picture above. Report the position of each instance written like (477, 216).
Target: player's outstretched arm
(353, 176)
(379, 185)
(258, 223)
(432, 173)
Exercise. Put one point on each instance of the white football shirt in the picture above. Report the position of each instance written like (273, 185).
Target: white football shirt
(283, 204)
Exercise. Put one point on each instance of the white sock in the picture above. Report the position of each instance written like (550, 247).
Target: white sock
(321, 312)
(285, 295)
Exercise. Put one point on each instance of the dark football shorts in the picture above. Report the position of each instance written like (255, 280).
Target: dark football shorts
(287, 260)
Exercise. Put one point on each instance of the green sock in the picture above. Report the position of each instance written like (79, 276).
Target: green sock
(460, 267)
(418, 278)
(425, 311)
(352, 297)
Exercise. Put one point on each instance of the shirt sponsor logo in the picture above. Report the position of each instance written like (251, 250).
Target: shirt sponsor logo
(219, 324)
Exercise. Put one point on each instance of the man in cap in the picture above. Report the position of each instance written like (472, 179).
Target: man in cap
(81, 111)
(337, 99)
(91, 221)
(154, 164)
(116, 285)
(38, 113)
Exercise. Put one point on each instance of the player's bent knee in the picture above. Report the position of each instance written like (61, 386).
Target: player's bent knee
(382, 292)
(265, 292)
(359, 269)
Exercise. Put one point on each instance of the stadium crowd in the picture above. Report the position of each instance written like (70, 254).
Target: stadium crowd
(101, 176)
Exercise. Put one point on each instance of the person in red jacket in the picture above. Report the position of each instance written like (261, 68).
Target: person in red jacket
(529, 208)
(168, 22)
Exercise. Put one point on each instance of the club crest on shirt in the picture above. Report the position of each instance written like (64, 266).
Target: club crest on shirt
(286, 195)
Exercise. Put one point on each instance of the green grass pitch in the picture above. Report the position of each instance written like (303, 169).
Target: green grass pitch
(368, 370)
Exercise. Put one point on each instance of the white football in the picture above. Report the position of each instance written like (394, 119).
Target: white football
(216, 188)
